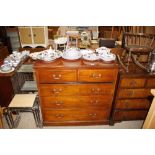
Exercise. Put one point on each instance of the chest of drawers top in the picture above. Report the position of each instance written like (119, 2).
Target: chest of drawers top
(70, 64)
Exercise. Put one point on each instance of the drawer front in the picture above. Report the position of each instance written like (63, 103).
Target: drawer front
(97, 75)
(58, 89)
(150, 83)
(75, 115)
(134, 93)
(132, 83)
(133, 104)
(73, 89)
(56, 76)
(130, 115)
(76, 102)
(96, 89)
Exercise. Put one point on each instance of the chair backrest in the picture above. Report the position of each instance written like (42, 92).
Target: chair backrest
(138, 39)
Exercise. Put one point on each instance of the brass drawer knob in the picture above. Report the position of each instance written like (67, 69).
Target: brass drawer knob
(59, 115)
(93, 115)
(56, 76)
(57, 91)
(95, 90)
(95, 75)
(94, 102)
(59, 103)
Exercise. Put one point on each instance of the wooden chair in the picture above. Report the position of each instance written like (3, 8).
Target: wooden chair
(135, 45)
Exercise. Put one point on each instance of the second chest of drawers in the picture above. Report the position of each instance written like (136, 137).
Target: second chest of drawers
(133, 97)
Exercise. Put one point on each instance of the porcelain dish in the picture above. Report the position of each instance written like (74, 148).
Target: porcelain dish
(90, 57)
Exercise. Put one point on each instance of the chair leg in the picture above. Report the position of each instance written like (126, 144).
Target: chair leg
(8, 118)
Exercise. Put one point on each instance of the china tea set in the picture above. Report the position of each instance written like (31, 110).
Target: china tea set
(11, 62)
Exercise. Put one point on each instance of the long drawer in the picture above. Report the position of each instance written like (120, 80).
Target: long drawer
(134, 93)
(133, 104)
(97, 75)
(57, 76)
(130, 115)
(76, 102)
(132, 83)
(75, 115)
(75, 89)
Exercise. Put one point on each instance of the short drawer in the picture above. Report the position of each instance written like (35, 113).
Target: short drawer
(57, 76)
(58, 89)
(133, 104)
(97, 75)
(150, 83)
(75, 115)
(132, 83)
(76, 102)
(134, 93)
(130, 115)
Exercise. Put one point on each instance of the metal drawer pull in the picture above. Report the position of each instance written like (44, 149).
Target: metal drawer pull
(58, 103)
(96, 90)
(59, 115)
(92, 115)
(133, 83)
(58, 76)
(57, 91)
(94, 75)
(94, 101)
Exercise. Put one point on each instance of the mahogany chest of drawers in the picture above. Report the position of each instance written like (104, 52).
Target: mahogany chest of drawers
(133, 96)
(76, 92)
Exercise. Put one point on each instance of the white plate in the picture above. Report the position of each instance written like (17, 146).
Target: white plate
(71, 58)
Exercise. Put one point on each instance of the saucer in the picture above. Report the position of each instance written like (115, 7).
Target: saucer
(9, 71)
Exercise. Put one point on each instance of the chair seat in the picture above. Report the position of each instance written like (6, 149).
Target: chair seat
(141, 49)
(22, 100)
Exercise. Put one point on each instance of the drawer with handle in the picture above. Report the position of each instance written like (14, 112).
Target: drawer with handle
(132, 83)
(57, 76)
(130, 115)
(150, 83)
(97, 75)
(134, 93)
(75, 115)
(76, 102)
(133, 104)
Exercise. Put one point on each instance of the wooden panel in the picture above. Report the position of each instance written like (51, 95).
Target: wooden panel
(133, 104)
(50, 76)
(150, 83)
(132, 83)
(134, 93)
(97, 75)
(130, 115)
(75, 115)
(38, 35)
(25, 35)
(76, 102)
